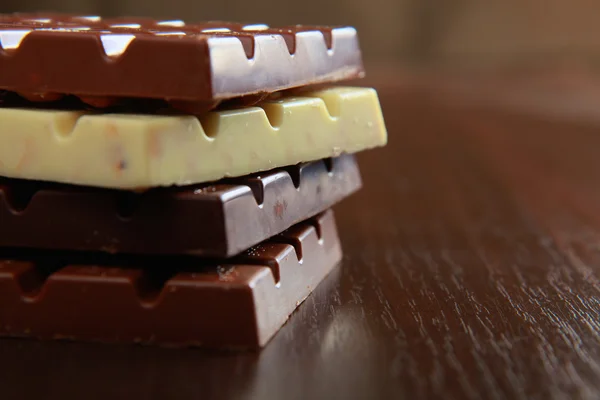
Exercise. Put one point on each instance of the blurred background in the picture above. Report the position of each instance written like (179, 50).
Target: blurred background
(423, 33)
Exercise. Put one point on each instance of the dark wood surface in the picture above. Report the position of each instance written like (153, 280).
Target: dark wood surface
(471, 270)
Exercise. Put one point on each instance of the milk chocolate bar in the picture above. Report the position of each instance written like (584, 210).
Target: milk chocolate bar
(128, 151)
(43, 56)
(219, 219)
(238, 302)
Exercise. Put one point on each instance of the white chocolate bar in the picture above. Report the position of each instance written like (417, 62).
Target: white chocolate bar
(128, 151)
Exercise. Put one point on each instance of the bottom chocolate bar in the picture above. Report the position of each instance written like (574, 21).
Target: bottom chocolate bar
(238, 302)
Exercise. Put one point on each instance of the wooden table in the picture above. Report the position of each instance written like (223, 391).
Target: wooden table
(471, 270)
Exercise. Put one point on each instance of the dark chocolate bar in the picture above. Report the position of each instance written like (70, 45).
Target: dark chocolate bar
(220, 219)
(44, 56)
(238, 302)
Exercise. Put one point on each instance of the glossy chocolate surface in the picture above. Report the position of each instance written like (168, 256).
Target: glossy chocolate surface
(238, 302)
(44, 56)
(220, 219)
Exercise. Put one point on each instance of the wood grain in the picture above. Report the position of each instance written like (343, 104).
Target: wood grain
(471, 270)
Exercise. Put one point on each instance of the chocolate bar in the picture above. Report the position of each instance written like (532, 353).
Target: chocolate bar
(219, 219)
(44, 56)
(237, 302)
(127, 151)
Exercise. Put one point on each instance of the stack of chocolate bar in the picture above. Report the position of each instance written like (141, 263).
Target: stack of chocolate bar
(169, 183)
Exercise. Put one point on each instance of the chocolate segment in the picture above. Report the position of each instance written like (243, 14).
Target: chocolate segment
(128, 151)
(42, 55)
(237, 302)
(220, 219)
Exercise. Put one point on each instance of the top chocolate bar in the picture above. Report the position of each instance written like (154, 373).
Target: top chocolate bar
(42, 55)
